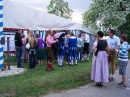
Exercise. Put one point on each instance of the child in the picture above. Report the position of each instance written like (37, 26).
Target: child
(49, 66)
(123, 58)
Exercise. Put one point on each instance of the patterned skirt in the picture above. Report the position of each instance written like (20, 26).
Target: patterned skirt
(61, 52)
(73, 53)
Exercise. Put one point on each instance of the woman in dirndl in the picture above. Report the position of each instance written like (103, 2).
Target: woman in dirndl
(24, 51)
(61, 49)
(100, 69)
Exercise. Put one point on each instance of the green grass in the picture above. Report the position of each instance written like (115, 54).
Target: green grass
(36, 82)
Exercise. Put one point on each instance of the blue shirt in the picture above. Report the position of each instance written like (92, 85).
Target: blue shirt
(113, 42)
(80, 42)
(123, 52)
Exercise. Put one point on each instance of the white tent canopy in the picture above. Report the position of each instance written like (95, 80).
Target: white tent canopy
(19, 16)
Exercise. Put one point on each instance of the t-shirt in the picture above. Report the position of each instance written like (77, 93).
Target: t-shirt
(40, 43)
(123, 52)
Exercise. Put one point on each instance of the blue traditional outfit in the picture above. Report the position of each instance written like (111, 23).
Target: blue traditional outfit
(61, 51)
(72, 48)
(66, 49)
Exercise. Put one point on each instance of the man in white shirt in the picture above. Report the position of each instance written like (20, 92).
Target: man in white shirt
(86, 44)
(113, 44)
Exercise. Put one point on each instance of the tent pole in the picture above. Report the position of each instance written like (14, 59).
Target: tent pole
(1, 34)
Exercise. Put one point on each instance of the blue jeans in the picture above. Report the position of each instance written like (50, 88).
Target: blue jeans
(80, 53)
(19, 55)
(32, 53)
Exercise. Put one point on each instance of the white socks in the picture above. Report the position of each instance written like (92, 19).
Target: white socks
(72, 62)
(75, 62)
(112, 76)
(60, 62)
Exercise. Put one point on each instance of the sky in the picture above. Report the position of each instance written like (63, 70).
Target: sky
(78, 6)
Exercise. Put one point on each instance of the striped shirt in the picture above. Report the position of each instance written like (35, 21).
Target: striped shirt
(123, 52)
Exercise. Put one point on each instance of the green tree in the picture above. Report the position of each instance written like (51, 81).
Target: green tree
(104, 14)
(60, 8)
(125, 28)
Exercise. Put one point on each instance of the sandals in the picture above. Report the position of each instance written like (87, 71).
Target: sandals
(99, 84)
(121, 85)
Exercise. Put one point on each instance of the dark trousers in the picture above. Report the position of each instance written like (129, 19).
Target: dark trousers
(80, 53)
(32, 53)
(19, 55)
(86, 48)
(67, 57)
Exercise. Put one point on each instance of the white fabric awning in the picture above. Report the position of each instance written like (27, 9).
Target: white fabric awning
(20, 16)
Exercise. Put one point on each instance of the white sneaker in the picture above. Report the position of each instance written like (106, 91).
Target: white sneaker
(67, 62)
(87, 59)
(113, 77)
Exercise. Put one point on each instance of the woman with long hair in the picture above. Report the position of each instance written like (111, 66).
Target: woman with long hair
(32, 51)
(40, 53)
(100, 68)
(27, 40)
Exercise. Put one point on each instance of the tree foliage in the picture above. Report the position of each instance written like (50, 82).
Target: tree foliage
(104, 14)
(60, 8)
(125, 28)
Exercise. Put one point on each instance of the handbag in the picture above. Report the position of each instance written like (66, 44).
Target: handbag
(27, 45)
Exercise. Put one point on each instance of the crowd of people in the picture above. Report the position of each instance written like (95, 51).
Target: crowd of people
(58, 47)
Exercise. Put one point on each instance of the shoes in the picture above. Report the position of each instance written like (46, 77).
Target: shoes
(121, 85)
(99, 84)
(111, 78)
(52, 69)
(2, 69)
(67, 63)
(87, 59)
(60, 65)
(47, 69)
(20, 67)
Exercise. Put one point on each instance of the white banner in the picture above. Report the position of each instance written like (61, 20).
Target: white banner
(10, 34)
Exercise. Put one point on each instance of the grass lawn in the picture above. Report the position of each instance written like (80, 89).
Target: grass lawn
(36, 82)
